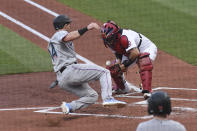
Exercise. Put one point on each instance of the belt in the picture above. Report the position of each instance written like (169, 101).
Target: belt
(140, 41)
(64, 67)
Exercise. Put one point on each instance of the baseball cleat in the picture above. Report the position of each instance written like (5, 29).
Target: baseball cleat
(119, 91)
(65, 108)
(147, 95)
(114, 102)
(53, 84)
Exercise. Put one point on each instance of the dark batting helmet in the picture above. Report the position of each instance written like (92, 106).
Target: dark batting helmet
(159, 104)
(109, 31)
(60, 21)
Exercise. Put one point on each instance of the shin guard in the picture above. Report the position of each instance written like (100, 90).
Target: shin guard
(120, 83)
(145, 66)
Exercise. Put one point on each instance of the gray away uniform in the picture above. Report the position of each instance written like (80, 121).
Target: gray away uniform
(75, 77)
(160, 125)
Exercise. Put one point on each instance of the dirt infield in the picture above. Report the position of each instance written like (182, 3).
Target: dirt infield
(23, 94)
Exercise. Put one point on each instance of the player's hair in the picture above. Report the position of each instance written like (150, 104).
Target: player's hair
(159, 104)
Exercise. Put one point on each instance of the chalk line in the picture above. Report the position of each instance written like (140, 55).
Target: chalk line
(171, 88)
(25, 108)
(41, 7)
(95, 115)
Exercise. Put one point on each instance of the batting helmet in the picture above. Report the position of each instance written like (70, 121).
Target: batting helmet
(60, 21)
(159, 104)
(109, 31)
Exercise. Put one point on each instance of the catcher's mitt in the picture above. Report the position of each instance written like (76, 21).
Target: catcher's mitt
(115, 70)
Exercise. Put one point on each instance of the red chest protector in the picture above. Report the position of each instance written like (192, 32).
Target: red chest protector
(120, 45)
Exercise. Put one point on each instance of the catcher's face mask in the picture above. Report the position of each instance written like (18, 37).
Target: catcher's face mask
(108, 33)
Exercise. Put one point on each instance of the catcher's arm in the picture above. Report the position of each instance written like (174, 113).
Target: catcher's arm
(134, 53)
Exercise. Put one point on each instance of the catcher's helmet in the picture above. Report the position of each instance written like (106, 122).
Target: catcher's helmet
(60, 21)
(109, 31)
(159, 104)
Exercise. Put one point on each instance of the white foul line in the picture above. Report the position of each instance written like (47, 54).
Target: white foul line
(182, 99)
(175, 99)
(25, 26)
(170, 88)
(125, 96)
(145, 103)
(185, 109)
(41, 7)
(47, 110)
(28, 108)
(100, 115)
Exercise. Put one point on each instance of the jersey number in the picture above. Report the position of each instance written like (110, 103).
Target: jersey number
(52, 51)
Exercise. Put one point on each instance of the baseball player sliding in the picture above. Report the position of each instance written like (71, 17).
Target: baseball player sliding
(129, 47)
(74, 77)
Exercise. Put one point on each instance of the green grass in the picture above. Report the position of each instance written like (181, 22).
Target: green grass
(170, 25)
(18, 55)
(185, 6)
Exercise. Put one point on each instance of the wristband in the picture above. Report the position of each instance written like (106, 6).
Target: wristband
(83, 30)
(127, 63)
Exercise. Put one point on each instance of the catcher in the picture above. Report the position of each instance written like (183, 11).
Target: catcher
(129, 48)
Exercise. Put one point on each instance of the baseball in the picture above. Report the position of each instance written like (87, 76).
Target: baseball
(108, 63)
